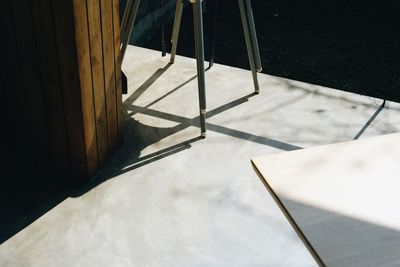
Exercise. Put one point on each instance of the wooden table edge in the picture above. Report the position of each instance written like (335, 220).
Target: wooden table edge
(292, 222)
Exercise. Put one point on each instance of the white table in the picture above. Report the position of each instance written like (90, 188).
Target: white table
(343, 199)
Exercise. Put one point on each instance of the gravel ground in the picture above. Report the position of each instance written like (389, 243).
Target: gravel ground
(348, 45)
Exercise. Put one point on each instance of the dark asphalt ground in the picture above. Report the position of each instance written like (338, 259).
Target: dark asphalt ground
(347, 45)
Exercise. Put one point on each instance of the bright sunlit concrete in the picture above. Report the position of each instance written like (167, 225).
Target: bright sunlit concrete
(169, 199)
(343, 197)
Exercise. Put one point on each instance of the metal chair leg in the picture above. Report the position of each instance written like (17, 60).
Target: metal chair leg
(253, 35)
(130, 21)
(249, 45)
(214, 34)
(127, 10)
(163, 45)
(199, 44)
(177, 26)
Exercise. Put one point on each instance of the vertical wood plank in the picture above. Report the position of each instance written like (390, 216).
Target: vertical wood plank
(117, 58)
(96, 56)
(14, 90)
(67, 101)
(82, 143)
(85, 73)
(50, 76)
(25, 40)
(109, 70)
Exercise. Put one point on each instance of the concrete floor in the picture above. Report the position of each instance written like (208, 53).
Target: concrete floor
(168, 198)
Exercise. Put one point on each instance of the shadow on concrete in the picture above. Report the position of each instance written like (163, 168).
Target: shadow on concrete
(150, 81)
(25, 197)
(25, 200)
(327, 235)
(139, 136)
(368, 123)
(186, 122)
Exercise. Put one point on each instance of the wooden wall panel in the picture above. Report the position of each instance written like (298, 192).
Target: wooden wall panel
(13, 89)
(109, 71)
(50, 77)
(118, 61)
(64, 28)
(32, 84)
(63, 85)
(86, 84)
(96, 52)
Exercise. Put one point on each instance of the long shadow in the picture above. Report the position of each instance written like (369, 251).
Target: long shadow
(171, 91)
(133, 163)
(25, 197)
(229, 105)
(252, 138)
(129, 157)
(373, 117)
(23, 202)
(139, 136)
(290, 85)
(149, 82)
(185, 122)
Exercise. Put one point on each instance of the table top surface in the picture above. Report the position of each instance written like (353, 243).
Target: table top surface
(343, 199)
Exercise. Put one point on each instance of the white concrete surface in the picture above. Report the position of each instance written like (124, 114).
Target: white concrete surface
(164, 201)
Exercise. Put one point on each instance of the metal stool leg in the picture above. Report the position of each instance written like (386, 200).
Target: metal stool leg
(249, 45)
(214, 34)
(128, 26)
(199, 44)
(253, 35)
(163, 45)
(127, 10)
(177, 26)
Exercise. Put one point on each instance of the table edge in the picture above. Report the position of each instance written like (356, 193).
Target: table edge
(292, 222)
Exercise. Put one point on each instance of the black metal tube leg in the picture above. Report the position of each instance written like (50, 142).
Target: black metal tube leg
(253, 35)
(214, 34)
(127, 10)
(199, 43)
(163, 45)
(249, 45)
(129, 27)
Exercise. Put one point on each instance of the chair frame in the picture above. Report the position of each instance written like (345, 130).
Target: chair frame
(249, 29)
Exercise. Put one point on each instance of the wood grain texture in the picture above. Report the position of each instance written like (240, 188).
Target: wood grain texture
(32, 84)
(61, 81)
(118, 62)
(96, 59)
(50, 76)
(343, 198)
(109, 71)
(14, 90)
(71, 86)
(86, 83)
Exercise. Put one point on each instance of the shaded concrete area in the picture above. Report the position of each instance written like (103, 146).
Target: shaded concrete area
(168, 198)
